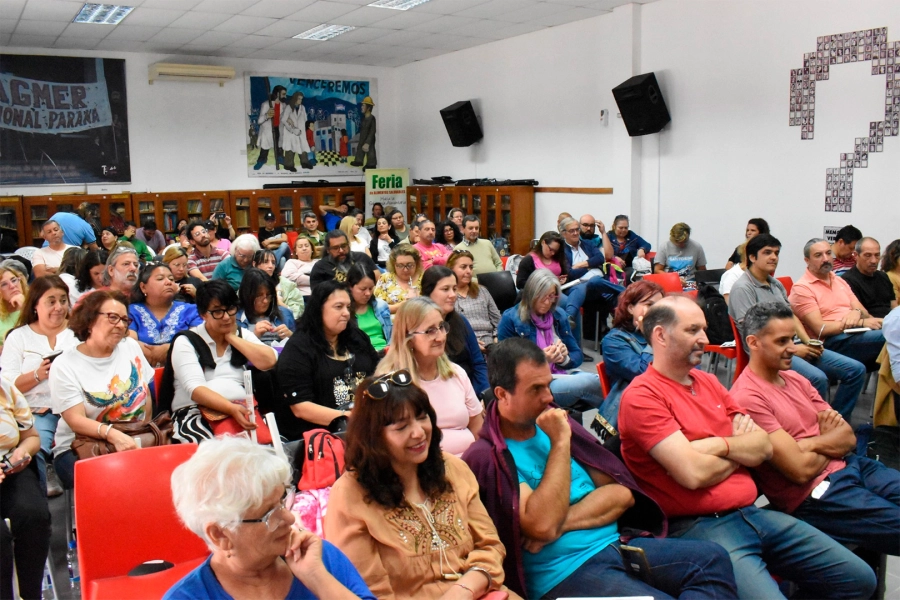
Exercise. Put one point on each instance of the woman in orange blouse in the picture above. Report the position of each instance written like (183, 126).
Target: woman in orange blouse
(407, 515)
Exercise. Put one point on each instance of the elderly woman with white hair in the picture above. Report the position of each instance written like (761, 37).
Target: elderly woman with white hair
(237, 496)
(232, 269)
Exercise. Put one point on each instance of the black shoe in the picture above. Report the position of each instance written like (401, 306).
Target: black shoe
(587, 357)
(355, 163)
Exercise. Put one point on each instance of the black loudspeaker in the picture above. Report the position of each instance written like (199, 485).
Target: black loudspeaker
(461, 123)
(641, 104)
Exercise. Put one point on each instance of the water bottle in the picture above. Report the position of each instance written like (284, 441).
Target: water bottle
(47, 585)
(74, 575)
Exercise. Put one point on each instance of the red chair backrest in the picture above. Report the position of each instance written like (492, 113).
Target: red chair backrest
(669, 282)
(292, 239)
(604, 379)
(125, 514)
(787, 282)
(742, 360)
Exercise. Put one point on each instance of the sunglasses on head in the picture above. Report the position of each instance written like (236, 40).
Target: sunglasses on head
(378, 389)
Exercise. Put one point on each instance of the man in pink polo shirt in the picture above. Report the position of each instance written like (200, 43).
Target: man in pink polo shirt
(830, 311)
(813, 474)
(432, 254)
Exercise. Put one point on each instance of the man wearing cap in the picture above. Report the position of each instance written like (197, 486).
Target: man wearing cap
(365, 148)
(275, 239)
(680, 254)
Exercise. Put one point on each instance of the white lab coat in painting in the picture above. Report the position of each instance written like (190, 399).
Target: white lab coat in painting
(293, 133)
(265, 125)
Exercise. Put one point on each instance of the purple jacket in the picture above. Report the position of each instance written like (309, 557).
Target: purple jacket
(494, 468)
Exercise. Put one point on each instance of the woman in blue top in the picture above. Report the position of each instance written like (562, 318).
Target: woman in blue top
(626, 244)
(260, 311)
(237, 496)
(155, 314)
(372, 314)
(539, 318)
(626, 353)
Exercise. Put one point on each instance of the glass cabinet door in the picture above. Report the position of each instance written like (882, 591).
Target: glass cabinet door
(170, 217)
(242, 213)
(505, 216)
(263, 206)
(9, 226)
(286, 212)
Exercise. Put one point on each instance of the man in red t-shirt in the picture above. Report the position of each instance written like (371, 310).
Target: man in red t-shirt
(689, 445)
(812, 473)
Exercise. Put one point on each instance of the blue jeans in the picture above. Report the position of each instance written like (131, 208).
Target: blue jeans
(64, 463)
(759, 539)
(596, 289)
(864, 347)
(282, 253)
(679, 568)
(861, 506)
(831, 367)
(46, 428)
(578, 385)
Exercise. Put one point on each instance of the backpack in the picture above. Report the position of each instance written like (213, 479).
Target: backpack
(320, 459)
(718, 327)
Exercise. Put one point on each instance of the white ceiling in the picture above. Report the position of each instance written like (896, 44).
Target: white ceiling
(263, 29)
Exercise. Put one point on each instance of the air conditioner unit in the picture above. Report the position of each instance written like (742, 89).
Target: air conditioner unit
(176, 72)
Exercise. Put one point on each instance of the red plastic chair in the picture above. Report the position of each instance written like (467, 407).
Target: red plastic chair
(292, 239)
(669, 282)
(787, 282)
(604, 379)
(125, 517)
(650, 256)
(503, 260)
(742, 359)
(157, 380)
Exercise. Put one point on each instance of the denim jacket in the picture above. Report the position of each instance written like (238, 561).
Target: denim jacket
(511, 325)
(383, 314)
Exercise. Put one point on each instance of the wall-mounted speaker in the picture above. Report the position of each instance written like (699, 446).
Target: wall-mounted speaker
(461, 123)
(641, 104)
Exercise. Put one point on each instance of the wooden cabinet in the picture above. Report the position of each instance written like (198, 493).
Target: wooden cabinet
(287, 204)
(110, 210)
(505, 211)
(12, 225)
(169, 208)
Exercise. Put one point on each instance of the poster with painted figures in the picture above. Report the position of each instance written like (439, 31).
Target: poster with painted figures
(309, 125)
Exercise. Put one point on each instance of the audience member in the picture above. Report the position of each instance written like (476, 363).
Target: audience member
(413, 234)
(155, 314)
(754, 228)
(275, 239)
(418, 345)
(813, 474)
(680, 254)
(408, 515)
(140, 247)
(844, 248)
(377, 213)
(890, 264)
(203, 379)
(398, 222)
(600, 240)
(626, 244)
(432, 253)
(103, 380)
(298, 269)
(372, 314)
(538, 317)
(176, 258)
(689, 445)
(403, 278)
(45, 261)
(322, 363)
(810, 359)
(449, 234)
(205, 258)
(351, 229)
(232, 268)
(462, 347)
(237, 497)
(260, 311)
(288, 295)
(561, 501)
(122, 269)
(456, 215)
(873, 288)
(90, 274)
(76, 230)
(561, 216)
(364, 234)
(151, 236)
(383, 241)
(109, 238)
(22, 499)
(892, 341)
(472, 302)
(339, 259)
(827, 307)
(13, 289)
(730, 277)
(68, 270)
(626, 353)
(546, 253)
(43, 330)
(332, 215)
(486, 258)
(311, 232)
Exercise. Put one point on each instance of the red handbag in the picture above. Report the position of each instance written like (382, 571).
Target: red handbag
(222, 424)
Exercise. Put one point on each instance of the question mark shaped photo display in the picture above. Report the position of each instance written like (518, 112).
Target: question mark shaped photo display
(853, 46)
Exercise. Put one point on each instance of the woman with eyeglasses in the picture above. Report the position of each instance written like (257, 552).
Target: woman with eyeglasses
(104, 379)
(383, 241)
(403, 278)
(204, 374)
(406, 514)
(177, 259)
(13, 288)
(237, 497)
(440, 284)
(473, 302)
(260, 311)
(627, 245)
(109, 237)
(448, 234)
(322, 363)
(546, 253)
(418, 345)
(372, 315)
(298, 269)
(288, 295)
(539, 318)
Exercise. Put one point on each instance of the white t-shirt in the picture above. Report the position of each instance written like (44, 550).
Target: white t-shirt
(49, 257)
(24, 351)
(729, 278)
(115, 388)
(454, 402)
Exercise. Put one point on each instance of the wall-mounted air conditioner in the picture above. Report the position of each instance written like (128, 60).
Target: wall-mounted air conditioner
(176, 72)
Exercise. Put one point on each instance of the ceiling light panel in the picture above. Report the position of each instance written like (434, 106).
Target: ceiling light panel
(323, 32)
(397, 4)
(104, 14)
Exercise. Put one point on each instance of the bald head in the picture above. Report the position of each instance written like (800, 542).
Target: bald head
(588, 224)
(676, 329)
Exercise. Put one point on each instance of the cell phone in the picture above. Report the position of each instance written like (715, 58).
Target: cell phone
(8, 466)
(636, 563)
(52, 356)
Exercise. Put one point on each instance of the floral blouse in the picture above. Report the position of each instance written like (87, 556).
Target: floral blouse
(388, 288)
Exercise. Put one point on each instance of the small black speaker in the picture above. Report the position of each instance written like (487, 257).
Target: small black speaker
(641, 104)
(461, 123)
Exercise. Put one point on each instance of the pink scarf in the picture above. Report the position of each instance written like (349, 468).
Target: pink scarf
(545, 334)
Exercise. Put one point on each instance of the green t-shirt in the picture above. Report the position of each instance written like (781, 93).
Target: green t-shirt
(372, 327)
(10, 321)
(140, 247)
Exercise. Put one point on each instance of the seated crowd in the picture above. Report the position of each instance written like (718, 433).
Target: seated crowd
(466, 474)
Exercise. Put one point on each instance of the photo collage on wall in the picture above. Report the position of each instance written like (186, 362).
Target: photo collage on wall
(854, 46)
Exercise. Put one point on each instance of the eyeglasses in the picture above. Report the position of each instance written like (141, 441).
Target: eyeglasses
(432, 332)
(219, 313)
(287, 503)
(571, 230)
(405, 266)
(378, 389)
(199, 232)
(115, 318)
(341, 247)
(550, 298)
(591, 225)
(11, 282)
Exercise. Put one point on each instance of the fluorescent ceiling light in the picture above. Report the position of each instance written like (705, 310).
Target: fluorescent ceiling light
(397, 4)
(323, 32)
(105, 14)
